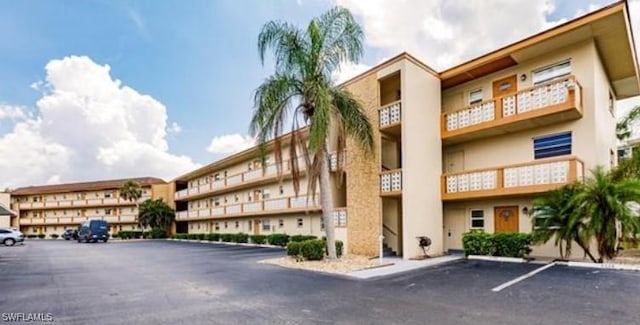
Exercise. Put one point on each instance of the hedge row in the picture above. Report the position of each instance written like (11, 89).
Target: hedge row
(41, 236)
(312, 250)
(508, 245)
(273, 239)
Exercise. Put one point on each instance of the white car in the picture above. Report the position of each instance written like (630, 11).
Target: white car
(10, 237)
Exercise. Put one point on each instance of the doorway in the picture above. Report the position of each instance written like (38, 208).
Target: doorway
(506, 219)
(454, 226)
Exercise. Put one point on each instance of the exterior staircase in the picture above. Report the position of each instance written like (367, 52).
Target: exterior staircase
(388, 251)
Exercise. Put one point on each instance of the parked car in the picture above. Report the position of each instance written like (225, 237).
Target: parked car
(93, 230)
(70, 234)
(10, 237)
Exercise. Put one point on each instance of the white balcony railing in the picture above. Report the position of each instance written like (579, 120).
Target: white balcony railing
(391, 181)
(390, 114)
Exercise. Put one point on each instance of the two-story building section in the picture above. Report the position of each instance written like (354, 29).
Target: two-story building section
(50, 209)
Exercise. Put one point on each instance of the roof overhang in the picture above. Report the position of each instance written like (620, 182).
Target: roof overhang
(609, 28)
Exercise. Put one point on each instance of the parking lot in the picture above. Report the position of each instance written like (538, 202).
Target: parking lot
(168, 282)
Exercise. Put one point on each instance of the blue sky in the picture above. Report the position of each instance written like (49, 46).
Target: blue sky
(198, 59)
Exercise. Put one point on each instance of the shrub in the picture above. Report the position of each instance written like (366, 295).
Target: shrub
(41, 236)
(312, 250)
(240, 238)
(213, 237)
(54, 236)
(477, 243)
(512, 245)
(193, 236)
(299, 238)
(158, 233)
(116, 235)
(278, 239)
(202, 237)
(258, 239)
(339, 247)
(293, 248)
(32, 236)
(226, 237)
(508, 245)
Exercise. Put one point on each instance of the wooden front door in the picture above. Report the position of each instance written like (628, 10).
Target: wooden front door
(505, 86)
(256, 227)
(506, 219)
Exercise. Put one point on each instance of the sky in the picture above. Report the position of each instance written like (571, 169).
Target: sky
(101, 89)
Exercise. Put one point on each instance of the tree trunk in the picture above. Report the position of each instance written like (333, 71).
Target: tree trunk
(326, 202)
(586, 251)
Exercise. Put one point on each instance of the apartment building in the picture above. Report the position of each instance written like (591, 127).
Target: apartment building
(6, 215)
(465, 148)
(244, 193)
(50, 209)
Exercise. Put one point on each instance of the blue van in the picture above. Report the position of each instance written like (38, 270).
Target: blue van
(93, 230)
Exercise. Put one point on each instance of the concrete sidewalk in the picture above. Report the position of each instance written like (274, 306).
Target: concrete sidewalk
(399, 266)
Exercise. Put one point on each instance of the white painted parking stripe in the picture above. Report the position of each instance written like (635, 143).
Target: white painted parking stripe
(523, 277)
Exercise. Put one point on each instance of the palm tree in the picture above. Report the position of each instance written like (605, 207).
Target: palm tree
(155, 214)
(624, 128)
(302, 91)
(131, 191)
(605, 203)
(555, 217)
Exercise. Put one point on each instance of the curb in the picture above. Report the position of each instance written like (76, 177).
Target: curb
(606, 266)
(497, 259)
(226, 243)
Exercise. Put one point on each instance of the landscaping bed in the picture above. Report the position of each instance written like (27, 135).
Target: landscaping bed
(343, 265)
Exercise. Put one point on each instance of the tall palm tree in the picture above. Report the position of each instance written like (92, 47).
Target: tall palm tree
(624, 128)
(155, 214)
(555, 217)
(131, 191)
(301, 91)
(605, 203)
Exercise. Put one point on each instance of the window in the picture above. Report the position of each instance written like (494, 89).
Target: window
(280, 223)
(551, 72)
(475, 96)
(35, 199)
(281, 190)
(266, 194)
(542, 221)
(236, 198)
(198, 226)
(217, 225)
(237, 224)
(217, 201)
(216, 177)
(266, 224)
(552, 145)
(250, 224)
(108, 194)
(107, 211)
(300, 222)
(226, 225)
(477, 219)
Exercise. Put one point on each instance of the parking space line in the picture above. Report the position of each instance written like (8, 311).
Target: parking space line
(522, 277)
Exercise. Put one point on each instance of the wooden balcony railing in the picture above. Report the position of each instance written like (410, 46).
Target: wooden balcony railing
(390, 114)
(237, 180)
(269, 206)
(545, 101)
(520, 179)
(391, 182)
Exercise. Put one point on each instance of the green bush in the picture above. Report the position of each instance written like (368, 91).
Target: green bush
(299, 238)
(258, 239)
(116, 235)
(213, 237)
(193, 236)
(202, 237)
(512, 245)
(41, 236)
(293, 248)
(507, 245)
(32, 236)
(339, 247)
(226, 237)
(158, 233)
(312, 250)
(54, 236)
(240, 238)
(278, 239)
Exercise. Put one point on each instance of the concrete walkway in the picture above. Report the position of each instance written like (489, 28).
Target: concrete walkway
(399, 265)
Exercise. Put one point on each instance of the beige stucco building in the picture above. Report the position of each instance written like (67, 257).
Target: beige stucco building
(50, 209)
(465, 148)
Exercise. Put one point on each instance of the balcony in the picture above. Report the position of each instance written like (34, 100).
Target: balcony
(552, 102)
(271, 206)
(513, 180)
(391, 117)
(391, 182)
(237, 181)
(62, 204)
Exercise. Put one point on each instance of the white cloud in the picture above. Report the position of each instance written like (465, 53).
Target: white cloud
(444, 33)
(88, 126)
(8, 112)
(175, 128)
(348, 71)
(230, 143)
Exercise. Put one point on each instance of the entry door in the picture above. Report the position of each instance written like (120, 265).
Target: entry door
(256, 227)
(454, 226)
(505, 86)
(506, 219)
(454, 161)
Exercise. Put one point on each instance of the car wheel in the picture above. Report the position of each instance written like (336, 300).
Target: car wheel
(105, 240)
(79, 240)
(67, 238)
(9, 242)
